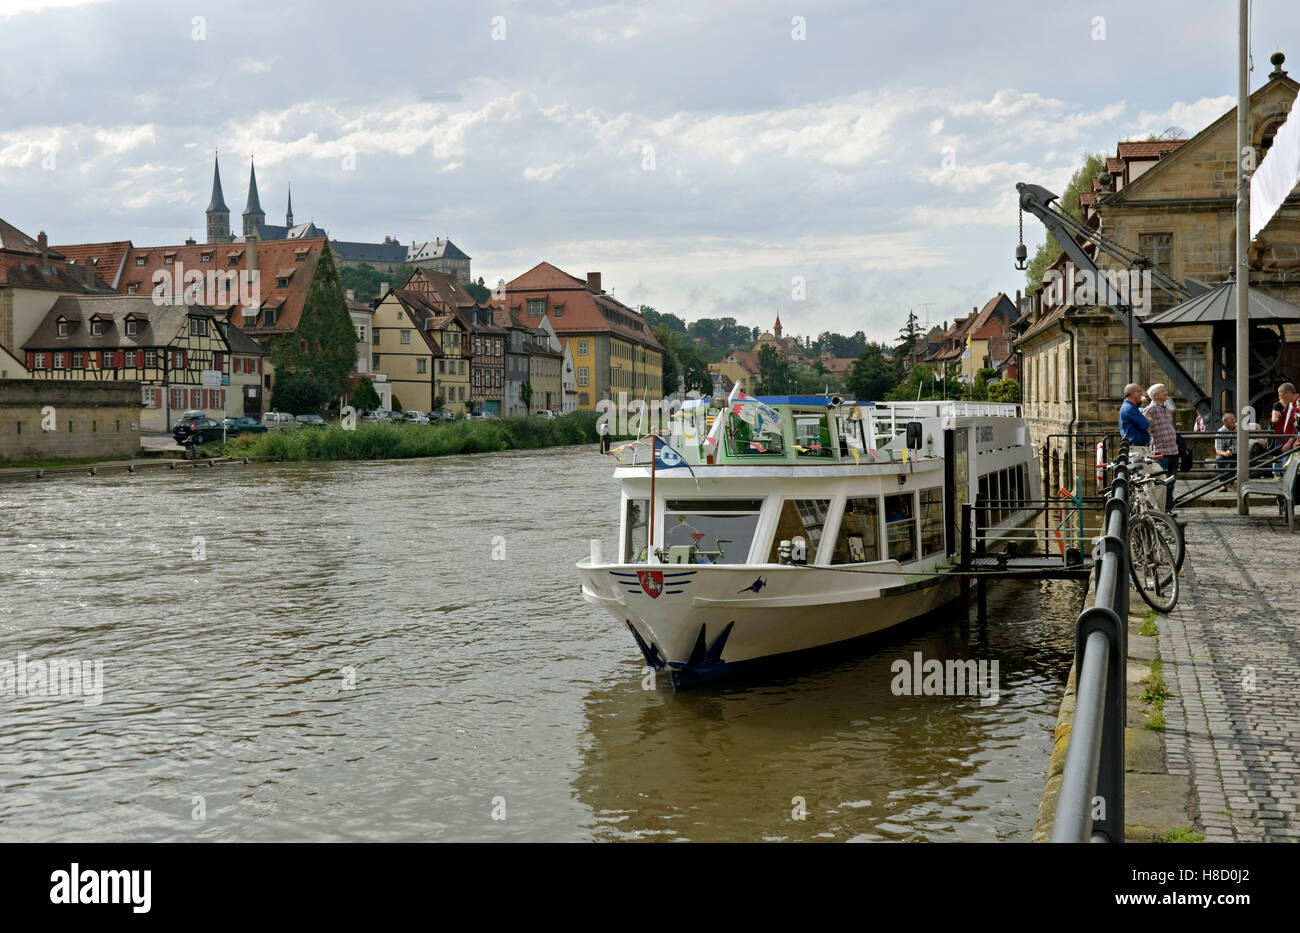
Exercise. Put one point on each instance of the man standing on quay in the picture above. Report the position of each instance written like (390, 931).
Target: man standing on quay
(1164, 439)
(1133, 425)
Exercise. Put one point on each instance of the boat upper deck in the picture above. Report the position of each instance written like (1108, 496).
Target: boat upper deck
(812, 431)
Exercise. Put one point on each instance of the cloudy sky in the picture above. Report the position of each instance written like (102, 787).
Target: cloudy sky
(700, 154)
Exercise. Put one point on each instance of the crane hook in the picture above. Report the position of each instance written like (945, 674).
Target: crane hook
(1021, 253)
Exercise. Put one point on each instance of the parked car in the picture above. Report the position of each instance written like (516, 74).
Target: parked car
(250, 425)
(441, 415)
(395, 417)
(315, 421)
(279, 421)
(415, 416)
(373, 415)
(231, 426)
(484, 416)
(546, 413)
(196, 430)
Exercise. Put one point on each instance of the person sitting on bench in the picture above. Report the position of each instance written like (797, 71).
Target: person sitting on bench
(1225, 450)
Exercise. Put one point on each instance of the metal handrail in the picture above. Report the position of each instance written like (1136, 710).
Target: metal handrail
(1090, 806)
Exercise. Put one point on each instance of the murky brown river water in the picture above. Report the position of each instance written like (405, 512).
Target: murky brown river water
(483, 687)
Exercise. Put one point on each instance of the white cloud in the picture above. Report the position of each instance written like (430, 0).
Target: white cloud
(11, 8)
(1191, 118)
(253, 67)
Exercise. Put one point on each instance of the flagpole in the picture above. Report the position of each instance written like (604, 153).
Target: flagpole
(650, 541)
(1243, 268)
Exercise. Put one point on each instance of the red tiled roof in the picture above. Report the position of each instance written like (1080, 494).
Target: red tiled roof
(105, 258)
(1087, 197)
(1147, 149)
(584, 311)
(271, 254)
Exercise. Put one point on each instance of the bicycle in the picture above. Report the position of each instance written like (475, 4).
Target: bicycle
(1144, 485)
(1156, 543)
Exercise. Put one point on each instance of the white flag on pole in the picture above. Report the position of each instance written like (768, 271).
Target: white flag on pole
(1276, 176)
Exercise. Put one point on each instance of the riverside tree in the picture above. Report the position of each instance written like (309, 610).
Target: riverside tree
(871, 376)
(322, 351)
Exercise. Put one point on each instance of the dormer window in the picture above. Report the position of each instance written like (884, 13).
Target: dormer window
(61, 329)
(205, 257)
(131, 327)
(169, 259)
(96, 328)
(234, 260)
(130, 289)
(281, 281)
(198, 327)
(139, 260)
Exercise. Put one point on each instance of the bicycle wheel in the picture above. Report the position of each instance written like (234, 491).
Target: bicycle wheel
(1172, 533)
(1151, 567)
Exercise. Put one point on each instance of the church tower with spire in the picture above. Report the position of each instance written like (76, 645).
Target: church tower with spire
(288, 214)
(218, 213)
(254, 216)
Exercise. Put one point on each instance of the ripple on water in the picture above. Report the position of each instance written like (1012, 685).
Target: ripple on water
(339, 657)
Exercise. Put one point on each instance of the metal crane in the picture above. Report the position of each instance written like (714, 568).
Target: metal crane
(1066, 230)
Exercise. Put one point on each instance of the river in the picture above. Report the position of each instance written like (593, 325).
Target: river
(397, 651)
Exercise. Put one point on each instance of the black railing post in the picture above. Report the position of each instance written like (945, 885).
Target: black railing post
(1091, 802)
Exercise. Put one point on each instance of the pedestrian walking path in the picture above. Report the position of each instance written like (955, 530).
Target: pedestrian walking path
(1231, 656)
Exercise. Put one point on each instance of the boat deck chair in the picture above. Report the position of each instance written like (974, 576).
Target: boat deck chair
(1282, 489)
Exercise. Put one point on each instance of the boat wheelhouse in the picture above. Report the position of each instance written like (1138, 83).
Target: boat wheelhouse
(796, 523)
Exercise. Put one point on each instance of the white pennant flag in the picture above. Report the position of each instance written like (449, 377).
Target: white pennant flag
(1276, 176)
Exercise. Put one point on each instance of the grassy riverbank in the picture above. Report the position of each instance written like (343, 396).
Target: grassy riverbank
(370, 441)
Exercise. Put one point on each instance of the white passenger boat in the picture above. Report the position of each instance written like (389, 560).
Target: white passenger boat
(799, 523)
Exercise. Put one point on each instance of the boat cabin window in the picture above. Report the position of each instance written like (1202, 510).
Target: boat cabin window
(637, 524)
(850, 436)
(900, 527)
(812, 436)
(931, 521)
(712, 531)
(747, 440)
(859, 535)
(802, 517)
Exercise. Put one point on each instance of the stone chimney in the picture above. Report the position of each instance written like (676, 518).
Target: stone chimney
(43, 245)
(593, 282)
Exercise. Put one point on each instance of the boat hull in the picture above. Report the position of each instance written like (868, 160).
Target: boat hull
(702, 623)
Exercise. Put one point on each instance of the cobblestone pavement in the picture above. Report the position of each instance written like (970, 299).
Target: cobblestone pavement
(1231, 655)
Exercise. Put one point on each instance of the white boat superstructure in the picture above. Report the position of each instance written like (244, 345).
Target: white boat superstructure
(798, 523)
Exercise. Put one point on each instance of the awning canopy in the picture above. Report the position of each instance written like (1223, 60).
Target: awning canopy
(1220, 304)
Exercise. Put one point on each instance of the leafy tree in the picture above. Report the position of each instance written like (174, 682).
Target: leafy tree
(526, 394)
(921, 382)
(871, 376)
(655, 318)
(300, 393)
(1005, 390)
(1080, 181)
(671, 377)
(479, 292)
(774, 372)
(695, 371)
(364, 279)
(439, 403)
(910, 334)
(365, 398)
(397, 404)
(324, 345)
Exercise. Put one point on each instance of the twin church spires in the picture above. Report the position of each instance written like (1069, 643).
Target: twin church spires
(254, 217)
